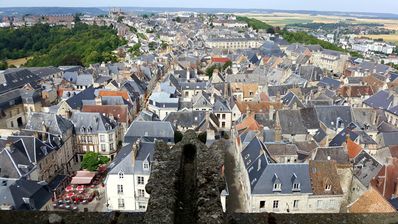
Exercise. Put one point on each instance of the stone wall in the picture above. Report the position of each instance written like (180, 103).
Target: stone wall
(179, 195)
(18, 217)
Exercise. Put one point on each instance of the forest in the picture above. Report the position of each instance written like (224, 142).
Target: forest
(57, 45)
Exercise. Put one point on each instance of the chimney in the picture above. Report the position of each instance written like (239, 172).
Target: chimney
(278, 97)
(98, 100)
(271, 112)
(278, 130)
(212, 99)
(8, 146)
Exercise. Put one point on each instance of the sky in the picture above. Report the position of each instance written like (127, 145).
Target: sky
(381, 6)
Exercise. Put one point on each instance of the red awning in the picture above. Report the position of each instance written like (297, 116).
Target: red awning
(83, 177)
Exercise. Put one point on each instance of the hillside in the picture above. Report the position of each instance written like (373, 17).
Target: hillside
(56, 46)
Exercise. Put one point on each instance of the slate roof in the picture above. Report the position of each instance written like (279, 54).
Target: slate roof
(135, 85)
(87, 123)
(329, 115)
(329, 82)
(221, 105)
(75, 102)
(124, 159)
(55, 124)
(163, 100)
(186, 119)
(14, 192)
(18, 96)
(71, 76)
(380, 100)
(252, 151)
(388, 138)
(13, 79)
(152, 129)
(365, 167)
(45, 72)
(340, 138)
(262, 177)
(298, 121)
(85, 80)
(270, 48)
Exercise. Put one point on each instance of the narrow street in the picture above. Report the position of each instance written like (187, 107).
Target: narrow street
(235, 199)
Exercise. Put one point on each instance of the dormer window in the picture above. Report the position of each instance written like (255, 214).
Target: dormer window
(328, 187)
(277, 187)
(296, 187)
(277, 183)
(146, 166)
(295, 183)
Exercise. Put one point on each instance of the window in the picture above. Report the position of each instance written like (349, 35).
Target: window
(277, 187)
(328, 187)
(296, 186)
(319, 204)
(262, 204)
(121, 175)
(103, 147)
(146, 166)
(140, 180)
(102, 138)
(110, 137)
(223, 124)
(120, 189)
(111, 147)
(141, 206)
(223, 116)
(141, 193)
(121, 203)
(295, 203)
(275, 204)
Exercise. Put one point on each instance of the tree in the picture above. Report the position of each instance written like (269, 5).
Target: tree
(227, 65)
(203, 137)
(120, 19)
(271, 30)
(77, 17)
(177, 136)
(92, 160)
(178, 19)
(3, 65)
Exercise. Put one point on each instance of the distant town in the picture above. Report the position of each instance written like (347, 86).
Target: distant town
(308, 112)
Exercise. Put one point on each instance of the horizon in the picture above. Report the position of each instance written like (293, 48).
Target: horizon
(353, 6)
(182, 7)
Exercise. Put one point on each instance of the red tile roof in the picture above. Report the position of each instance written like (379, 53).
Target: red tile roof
(119, 112)
(353, 149)
(123, 94)
(386, 180)
(371, 202)
(220, 60)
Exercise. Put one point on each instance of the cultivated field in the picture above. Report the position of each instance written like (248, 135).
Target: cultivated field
(17, 62)
(388, 38)
(283, 19)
